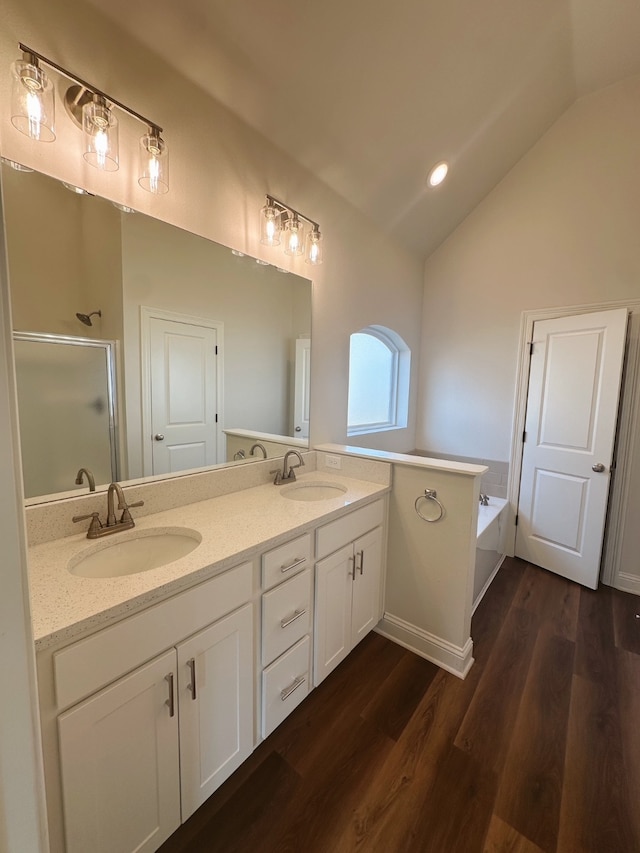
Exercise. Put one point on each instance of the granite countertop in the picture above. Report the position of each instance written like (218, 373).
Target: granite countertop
(233, 527)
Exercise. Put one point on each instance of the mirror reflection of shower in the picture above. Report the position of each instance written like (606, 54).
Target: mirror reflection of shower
(86, 318)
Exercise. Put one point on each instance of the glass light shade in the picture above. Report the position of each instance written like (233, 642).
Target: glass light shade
(154, 163)
(100, 129)
(314, 247)
(32, 101)
(270, 226)
(293, 236)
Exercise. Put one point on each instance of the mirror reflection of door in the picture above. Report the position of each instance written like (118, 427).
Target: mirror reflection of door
(301, 389)
(66, 405)
(185, 418)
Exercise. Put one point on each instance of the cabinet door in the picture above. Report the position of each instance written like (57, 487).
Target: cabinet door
(119, 764)
(332, 640)
(365, 609)
(215, 681)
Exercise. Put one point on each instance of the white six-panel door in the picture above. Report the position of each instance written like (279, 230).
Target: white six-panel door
(185, 416)
(572, 407)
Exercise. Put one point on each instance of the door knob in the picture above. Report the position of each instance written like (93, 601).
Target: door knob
(598, 468)
(159, 437)
(298, 429)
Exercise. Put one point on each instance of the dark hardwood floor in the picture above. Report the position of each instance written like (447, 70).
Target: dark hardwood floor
(538, 749)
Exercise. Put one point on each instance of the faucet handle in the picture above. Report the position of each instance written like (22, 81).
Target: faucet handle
(278, 478)
(95, 525)
(126, 515)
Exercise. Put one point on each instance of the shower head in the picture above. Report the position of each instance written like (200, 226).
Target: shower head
(86, 318)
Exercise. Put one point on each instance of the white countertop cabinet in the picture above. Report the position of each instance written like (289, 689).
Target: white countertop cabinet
(143, 718)
(348, 585)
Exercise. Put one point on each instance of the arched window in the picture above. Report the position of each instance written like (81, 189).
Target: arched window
(379, 370)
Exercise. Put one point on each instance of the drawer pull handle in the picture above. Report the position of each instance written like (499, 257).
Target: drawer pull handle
(192, 687)
(352, 575)
(297, 562)
(361, 566)
(293, 618)
(171, 701)
(289, 690)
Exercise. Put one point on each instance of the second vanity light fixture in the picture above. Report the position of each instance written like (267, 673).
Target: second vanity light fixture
(278, 221)
(33, 113)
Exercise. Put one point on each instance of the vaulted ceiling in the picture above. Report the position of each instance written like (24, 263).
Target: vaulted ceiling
(369, 95)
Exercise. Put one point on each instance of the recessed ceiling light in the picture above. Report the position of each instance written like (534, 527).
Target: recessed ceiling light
(438, 173)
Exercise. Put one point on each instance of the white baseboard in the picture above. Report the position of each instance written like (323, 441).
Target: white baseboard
(628, 583)
(455, 659)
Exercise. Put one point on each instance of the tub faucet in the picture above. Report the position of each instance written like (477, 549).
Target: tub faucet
(287, 475)
(484, 500)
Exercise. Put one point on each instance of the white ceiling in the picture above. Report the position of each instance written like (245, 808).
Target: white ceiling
(368, 95)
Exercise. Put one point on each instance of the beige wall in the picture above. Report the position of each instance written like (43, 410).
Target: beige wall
(220, 171)
(563, 228)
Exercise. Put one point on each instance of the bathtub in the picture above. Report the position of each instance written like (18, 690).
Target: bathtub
(489, 545)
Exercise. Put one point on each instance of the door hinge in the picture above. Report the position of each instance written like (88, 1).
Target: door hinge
(531, 344)
(216, 349)
(516, 520)
(524, 436)
(216, 417)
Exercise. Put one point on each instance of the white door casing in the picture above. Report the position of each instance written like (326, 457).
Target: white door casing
(301, 388)
(182, 391)
(574, 386)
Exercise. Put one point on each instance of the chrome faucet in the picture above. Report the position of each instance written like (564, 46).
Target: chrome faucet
(287, 475)
(484, 500)
(113, 525)
(90, 479)
(259, 446)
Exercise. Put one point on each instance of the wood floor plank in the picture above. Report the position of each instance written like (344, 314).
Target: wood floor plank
(626, 620)
(457, 808)
(595, 658)
(596, 812)
(390, 808)
(487, 727)
(399, 694)
(629, 681)
(530, 792)
(317, 814)
(502, 838)
(488, 618)
(553, 599)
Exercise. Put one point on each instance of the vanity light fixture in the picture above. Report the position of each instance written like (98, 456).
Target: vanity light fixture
(278, 221)
(33, 113)
(17, 167)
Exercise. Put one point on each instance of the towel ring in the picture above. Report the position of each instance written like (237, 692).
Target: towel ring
(429, 495)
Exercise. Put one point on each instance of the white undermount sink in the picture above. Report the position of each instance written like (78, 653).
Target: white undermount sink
(312, 491)
(138, 552)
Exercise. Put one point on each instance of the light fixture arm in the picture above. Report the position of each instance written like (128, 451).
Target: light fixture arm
(285, 208)
(33, 54)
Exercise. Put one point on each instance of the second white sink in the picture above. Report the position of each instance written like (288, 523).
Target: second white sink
(138, 552)
(312, 491)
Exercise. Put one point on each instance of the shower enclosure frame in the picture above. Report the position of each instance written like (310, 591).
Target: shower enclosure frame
(109, 348)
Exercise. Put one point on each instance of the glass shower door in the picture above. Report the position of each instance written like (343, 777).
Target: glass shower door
(66, 410)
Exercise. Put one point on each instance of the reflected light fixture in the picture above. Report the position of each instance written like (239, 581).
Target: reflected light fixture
(32, 113)
(278, 221)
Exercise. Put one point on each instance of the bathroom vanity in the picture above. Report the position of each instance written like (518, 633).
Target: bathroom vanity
(155, 686)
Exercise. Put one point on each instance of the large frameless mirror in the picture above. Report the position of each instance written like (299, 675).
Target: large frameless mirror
(210, 348)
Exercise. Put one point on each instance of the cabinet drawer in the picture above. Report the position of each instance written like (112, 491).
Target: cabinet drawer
(282, 562)
(284, 685)
(286, 615)
(344, 530)
(94, 662)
